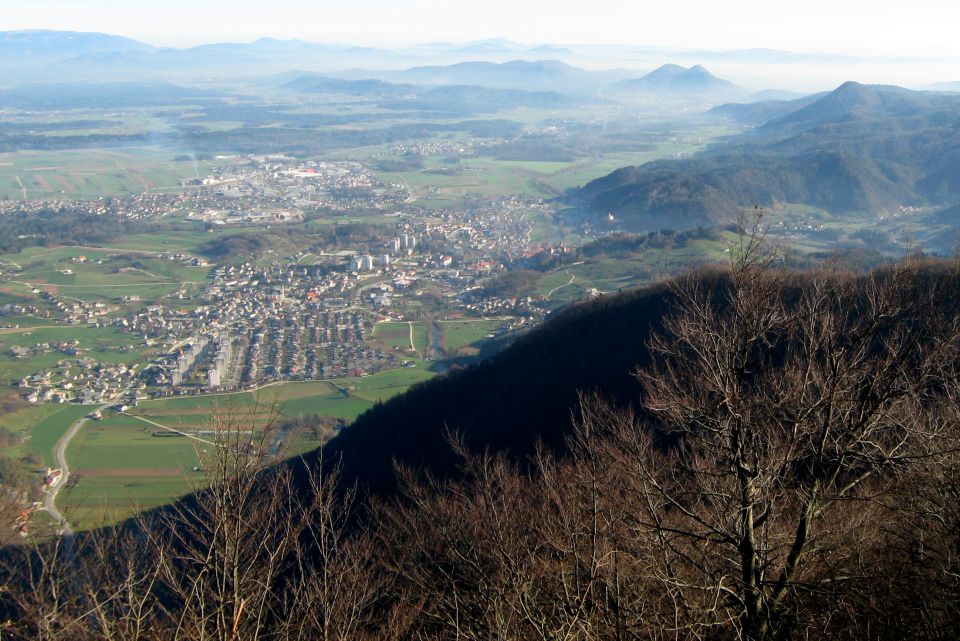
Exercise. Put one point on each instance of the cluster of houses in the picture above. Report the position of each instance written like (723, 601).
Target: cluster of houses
(525, 307)
(76, 311)
(434, 148)
(307, 345)
(142, 206)
(80, 380)
(301, 319)
(278, 189)
(19, 309)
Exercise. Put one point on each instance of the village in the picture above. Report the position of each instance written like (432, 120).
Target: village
(306, 316)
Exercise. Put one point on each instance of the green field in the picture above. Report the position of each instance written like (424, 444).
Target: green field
(494, 177)
(45, 434)
(394, 336)
(121, 465)
(608, 275)
(91, 173)
(172, 241)
(461, 334)
(89, 274)
(41, 427)
(457, 336)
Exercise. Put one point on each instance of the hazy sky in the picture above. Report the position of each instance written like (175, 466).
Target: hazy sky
(917, 28)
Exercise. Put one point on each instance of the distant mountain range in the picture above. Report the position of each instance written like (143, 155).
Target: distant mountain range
(45, 56)
(52, 45)
(497, 46)
(454, 98)
(61, 56)
(554, 75)
(859, 148)
(538, 75)
(65, 56)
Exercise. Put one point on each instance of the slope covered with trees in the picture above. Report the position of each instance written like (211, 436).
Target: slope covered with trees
(858, 149)
(788, 470)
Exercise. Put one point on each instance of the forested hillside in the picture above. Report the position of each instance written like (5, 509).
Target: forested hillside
(771, 455)
(858, 149)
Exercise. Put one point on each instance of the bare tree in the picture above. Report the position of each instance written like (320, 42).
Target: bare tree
(119, 576)
(224, 552)
(784, 400)
(792, 472)
(259, 552)
(38, 591)
(336, 584)
(461, 553)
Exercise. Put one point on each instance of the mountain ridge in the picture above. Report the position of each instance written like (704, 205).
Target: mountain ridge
(857, 149)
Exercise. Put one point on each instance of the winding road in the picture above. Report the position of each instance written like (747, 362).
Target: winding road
(559, 287)
(60, 453)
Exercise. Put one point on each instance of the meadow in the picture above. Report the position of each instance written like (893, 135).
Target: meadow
(125, 463)
(441, 184)
(93, 173)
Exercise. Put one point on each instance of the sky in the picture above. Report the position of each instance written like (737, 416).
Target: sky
(921, 28)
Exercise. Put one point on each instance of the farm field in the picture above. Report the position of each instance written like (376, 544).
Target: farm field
(97, 274)
(460, 334)
(92, 173)
(42, 426)
(125, 463)
(395, 337)
(434, 187)
(455, 336)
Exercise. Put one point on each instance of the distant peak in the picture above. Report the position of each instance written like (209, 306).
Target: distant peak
(850, 86)
(853, 87)
(668, 68)
(851, 91)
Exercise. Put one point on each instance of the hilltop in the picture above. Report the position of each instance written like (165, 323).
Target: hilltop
(857, 149)
(677, 80)
(525, 75)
